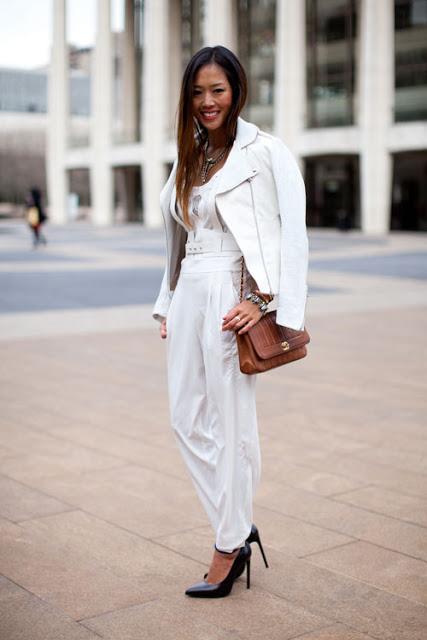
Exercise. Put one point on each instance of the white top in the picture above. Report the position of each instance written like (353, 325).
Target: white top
(202, 208)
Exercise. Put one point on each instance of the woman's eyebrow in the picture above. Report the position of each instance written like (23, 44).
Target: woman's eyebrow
(215, 84)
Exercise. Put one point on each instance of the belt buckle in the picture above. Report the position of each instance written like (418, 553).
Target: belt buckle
(193, 247)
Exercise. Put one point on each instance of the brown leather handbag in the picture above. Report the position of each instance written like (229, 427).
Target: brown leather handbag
(268, 345)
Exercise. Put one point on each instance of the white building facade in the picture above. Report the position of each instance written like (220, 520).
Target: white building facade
(342, 82)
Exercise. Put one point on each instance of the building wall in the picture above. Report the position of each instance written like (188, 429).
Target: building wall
(23, 127)
(22, 155)
(324, 83)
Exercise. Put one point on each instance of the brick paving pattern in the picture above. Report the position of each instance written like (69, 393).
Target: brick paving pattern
(101, 530)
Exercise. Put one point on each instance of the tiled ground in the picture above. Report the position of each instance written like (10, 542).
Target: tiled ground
(100, 527)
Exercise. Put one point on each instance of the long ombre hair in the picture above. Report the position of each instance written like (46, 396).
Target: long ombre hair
(191, 134)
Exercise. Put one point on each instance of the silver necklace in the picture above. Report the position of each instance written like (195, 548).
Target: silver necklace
(208, 163)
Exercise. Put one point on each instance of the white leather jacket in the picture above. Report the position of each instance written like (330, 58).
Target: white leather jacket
(261, 198)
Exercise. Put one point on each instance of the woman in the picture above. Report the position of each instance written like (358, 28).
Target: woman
(234, 191)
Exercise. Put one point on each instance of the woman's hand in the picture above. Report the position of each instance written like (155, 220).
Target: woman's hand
(163, 330)
(243, 316)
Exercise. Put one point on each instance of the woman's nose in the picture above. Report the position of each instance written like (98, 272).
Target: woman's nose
(208, 100)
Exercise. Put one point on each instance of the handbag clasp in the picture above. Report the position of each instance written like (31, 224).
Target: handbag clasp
(285, 346)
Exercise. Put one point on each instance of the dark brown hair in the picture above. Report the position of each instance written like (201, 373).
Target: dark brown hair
(190, 135)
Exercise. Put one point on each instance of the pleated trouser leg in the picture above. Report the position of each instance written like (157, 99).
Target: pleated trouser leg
(212, 404)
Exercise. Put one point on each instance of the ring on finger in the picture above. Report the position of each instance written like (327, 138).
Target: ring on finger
(237, 318)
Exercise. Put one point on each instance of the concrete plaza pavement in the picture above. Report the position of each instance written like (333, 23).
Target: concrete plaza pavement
(100, 527)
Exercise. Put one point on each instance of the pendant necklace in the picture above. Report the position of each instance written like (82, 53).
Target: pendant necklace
(208, 163)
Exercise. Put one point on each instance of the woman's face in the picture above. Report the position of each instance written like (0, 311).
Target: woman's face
(212, 96)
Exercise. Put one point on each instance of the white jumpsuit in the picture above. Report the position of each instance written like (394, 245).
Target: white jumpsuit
(212, 404)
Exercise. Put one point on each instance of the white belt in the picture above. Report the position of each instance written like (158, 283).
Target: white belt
(212, 242)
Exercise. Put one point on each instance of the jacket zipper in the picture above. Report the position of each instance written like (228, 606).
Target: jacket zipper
(258, 235)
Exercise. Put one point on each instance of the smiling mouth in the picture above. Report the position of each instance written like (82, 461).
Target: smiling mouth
(209, 115)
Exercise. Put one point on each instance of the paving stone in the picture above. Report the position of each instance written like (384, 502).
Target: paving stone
(85, 424)
(346, 519)
(382, 568)
(24, 616)
(278, 469)
(243, 614)
(350, 602)
(5, 452)
(277, 531)
(324, 439)
(166, 459)
(392, 503)
(77, 575)
(18, 502)
(335, 632)
(110, 546)
(163, 619)
(408, 461)
(31, 467)
(381, 475)
(39, 455)
(141, 500)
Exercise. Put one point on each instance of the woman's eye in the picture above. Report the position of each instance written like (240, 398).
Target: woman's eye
(198, 92)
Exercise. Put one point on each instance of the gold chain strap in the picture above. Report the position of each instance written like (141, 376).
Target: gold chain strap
(242, 260)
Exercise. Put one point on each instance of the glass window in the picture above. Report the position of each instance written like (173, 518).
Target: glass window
(333, 191)
(257, 33)
(331, 34)
(192, 12)
(409, 194)
(126, 25)
(79, 200)
(127, 194)
(410, 60)
(80, 30)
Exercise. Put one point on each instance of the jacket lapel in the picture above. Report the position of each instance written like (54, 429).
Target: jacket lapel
(167, 191)
(236, 170)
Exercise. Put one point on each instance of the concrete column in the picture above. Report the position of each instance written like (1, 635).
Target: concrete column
(58, 104)
(376, 111)
(155, 108)
(290, 76)
(130, 114)
(175, 64)
(101, 174)
(220, 23)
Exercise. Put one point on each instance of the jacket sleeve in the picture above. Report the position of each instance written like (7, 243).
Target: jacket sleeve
(290, 187)
(162, 303)
(161, 306)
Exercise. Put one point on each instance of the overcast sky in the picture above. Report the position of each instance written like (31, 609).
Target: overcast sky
(25, 29)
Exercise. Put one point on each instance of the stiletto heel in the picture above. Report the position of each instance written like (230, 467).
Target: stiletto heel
(254, 537)
(223, 588)
(248, 573)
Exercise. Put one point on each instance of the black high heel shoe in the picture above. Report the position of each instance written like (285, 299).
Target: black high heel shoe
(253, 537)
(223, 588)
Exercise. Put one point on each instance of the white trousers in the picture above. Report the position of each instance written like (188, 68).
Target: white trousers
(212, 404)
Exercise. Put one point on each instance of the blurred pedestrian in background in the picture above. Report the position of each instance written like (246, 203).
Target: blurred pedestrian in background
(36, 215)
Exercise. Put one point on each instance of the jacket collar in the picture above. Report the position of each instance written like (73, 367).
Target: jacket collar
(246, 132)
(236, 170)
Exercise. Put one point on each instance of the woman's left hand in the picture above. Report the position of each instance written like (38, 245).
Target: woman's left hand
(243, 316)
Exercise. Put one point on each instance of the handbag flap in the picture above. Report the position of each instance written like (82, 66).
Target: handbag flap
(270, 339)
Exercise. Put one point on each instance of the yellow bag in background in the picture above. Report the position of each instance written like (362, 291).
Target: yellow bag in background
(33, 216)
